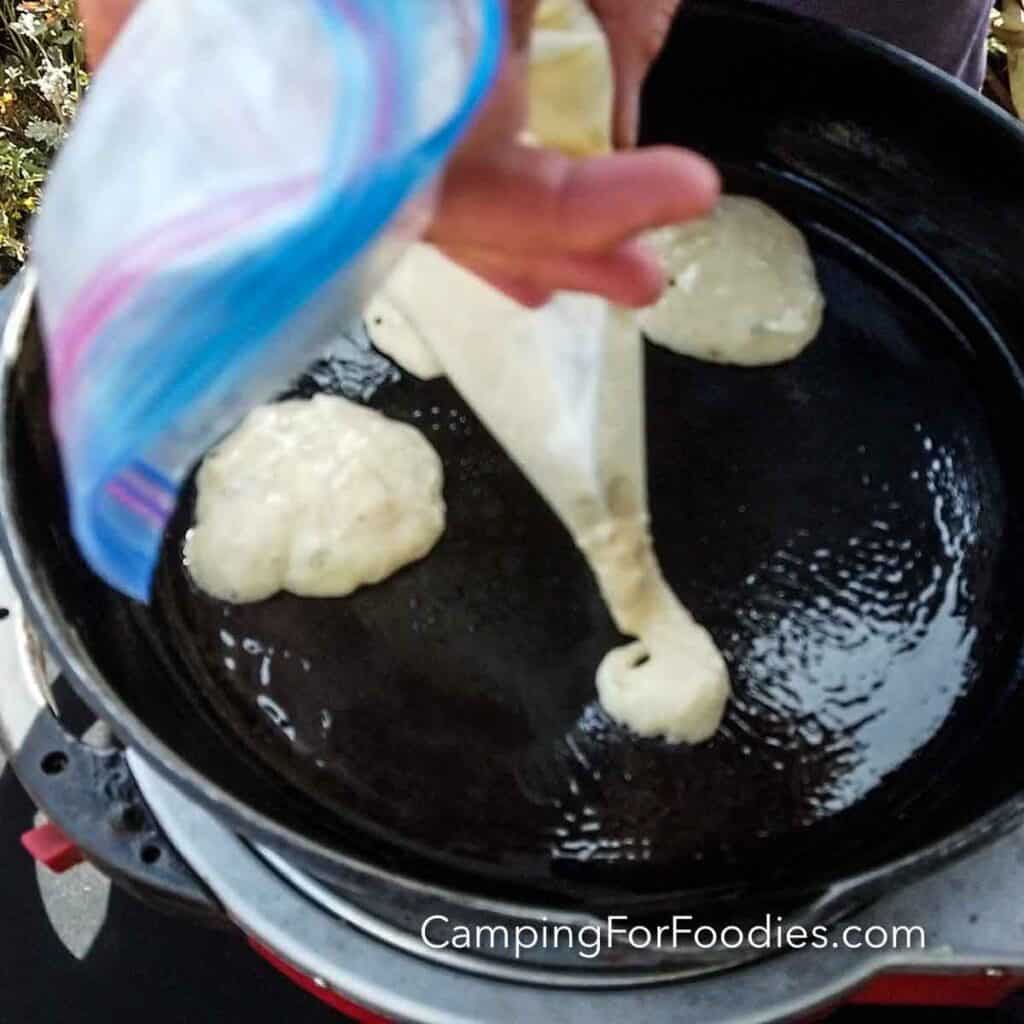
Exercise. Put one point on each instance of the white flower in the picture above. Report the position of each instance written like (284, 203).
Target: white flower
(49, 133)
(53, 83)
(27, 24)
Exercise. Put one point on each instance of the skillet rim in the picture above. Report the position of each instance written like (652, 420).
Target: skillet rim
(92, 687)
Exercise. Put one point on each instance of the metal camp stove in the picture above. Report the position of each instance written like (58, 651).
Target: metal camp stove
(359, 947)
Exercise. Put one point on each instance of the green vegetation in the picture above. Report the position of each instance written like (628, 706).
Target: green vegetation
(42, 77)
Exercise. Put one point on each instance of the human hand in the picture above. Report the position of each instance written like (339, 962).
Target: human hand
(533, 221)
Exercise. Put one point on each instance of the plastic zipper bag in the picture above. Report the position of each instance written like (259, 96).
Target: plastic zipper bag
(242, 174)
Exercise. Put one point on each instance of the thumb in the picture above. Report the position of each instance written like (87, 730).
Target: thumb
(103, 20)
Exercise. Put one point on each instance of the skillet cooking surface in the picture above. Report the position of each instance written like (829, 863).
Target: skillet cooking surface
(847, 526)
(837, 523)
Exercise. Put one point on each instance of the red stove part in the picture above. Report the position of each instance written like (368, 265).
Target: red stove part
(976, 991)
(49, 846)
(310, 985)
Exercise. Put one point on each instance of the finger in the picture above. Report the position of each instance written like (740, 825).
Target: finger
(542, 201)
(501, 275)
(630, 75)
(628, 276)
(523, 292)
(636, 33)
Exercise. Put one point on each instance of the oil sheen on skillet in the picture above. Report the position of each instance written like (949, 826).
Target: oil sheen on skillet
(835, 522)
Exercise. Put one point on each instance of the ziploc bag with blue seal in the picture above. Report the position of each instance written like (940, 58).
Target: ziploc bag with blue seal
(242, 173)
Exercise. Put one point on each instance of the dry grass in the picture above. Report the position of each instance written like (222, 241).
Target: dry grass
(1004, 83)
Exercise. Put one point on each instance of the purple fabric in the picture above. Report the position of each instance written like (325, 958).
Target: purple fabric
(949, 33)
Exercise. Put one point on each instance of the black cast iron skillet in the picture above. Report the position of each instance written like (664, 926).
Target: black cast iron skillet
(849, 526)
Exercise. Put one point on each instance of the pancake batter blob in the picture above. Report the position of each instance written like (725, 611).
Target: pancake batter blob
(317, 498)
(580, 439)
(673, 682)
(744, 289)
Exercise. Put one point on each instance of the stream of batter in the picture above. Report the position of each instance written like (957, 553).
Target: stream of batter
(561, 388)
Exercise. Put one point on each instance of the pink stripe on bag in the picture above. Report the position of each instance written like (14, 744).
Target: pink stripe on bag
(113, 285)
(157, 496)
(137, 505)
